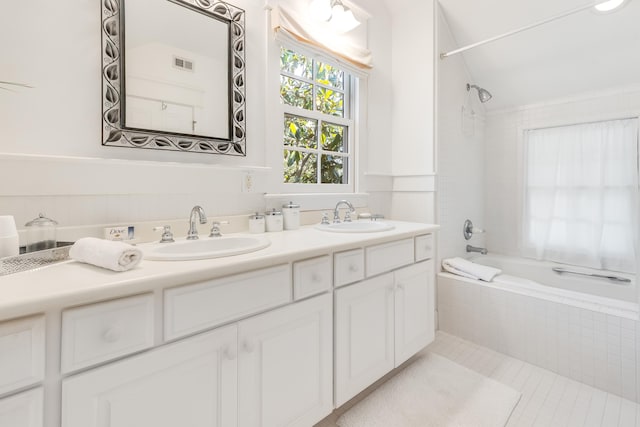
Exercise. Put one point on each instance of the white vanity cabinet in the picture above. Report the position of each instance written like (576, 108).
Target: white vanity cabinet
(273, 343)
(382, 321)
(414, 299)
(22, 353)
(285, 365)
(364, 332)
(22, 410)
(189, 383)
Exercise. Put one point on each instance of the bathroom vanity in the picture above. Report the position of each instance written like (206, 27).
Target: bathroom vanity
(277, 337)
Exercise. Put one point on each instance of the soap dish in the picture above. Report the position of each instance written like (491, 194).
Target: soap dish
(34, 260)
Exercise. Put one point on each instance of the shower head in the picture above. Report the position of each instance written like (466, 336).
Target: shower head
(483, 94)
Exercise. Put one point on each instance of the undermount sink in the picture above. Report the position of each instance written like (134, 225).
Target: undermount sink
(204, 248)
(356, 227)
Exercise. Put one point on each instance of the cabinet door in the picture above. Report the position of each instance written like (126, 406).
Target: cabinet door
(22, 410)
(364, 335)
(414, 310)
(190, 383)
(286, 365)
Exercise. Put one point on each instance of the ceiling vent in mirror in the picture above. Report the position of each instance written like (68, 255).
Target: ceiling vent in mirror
(183, 64)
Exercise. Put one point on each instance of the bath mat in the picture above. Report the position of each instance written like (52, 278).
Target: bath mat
(434, 392)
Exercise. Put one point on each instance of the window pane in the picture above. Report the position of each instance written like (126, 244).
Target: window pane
(300, 167)
(296, 93)
(296, 64)
(333, 169)
(329, 75)
(333, 138)
(300, 132)
(330, 102)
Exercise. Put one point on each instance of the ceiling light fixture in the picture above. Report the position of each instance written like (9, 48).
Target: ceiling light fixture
(336, 13)
(609, 6)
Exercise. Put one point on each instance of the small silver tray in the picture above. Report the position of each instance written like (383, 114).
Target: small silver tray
(33, 260)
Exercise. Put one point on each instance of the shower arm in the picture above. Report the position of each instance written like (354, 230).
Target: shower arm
(519, 30)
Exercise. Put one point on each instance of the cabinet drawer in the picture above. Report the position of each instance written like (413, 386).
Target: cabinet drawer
(193, 308)
(424, 247)
(99, 332)
(311, 277)
(348, 267)
(389, 256)
(22, 346)
(22, 410)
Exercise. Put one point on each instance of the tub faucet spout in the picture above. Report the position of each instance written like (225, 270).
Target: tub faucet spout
(483, 251)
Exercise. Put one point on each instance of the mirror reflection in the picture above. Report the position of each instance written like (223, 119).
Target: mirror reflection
(176, 70)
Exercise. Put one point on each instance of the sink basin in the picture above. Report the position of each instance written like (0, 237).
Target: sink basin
(204, 248)
(356, 227)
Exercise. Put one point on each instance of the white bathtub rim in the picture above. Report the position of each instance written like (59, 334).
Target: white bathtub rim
(614, 307)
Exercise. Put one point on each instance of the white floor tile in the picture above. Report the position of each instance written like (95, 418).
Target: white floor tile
(548, 399)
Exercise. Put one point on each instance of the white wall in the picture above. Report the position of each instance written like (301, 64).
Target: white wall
(460, 154)
(55, 46)
(412, 110)
(503, 154)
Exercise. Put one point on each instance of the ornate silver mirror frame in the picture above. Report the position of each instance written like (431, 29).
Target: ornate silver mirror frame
(113, 131)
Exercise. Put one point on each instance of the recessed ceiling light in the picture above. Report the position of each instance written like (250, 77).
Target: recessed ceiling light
(609, 6)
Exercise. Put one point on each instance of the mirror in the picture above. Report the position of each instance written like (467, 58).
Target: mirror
(173, 77)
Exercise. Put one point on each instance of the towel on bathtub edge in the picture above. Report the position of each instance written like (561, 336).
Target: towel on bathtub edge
(468, 269)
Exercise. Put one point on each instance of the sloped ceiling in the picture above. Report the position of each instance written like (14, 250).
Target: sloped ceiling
(580, 54)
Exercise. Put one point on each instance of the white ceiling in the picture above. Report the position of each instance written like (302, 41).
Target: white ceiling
(579, 54)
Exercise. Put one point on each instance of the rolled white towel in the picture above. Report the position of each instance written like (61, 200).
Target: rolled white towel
(116, 256)
(465, 268)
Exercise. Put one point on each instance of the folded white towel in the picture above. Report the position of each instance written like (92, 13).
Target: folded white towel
(465, 268)
(116, 256)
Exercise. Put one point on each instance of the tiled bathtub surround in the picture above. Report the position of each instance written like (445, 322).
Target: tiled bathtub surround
(595, 348)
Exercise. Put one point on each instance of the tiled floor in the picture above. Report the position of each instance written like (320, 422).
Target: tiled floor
(548, 399)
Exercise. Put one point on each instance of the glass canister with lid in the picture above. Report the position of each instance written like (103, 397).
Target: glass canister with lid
(41, 233)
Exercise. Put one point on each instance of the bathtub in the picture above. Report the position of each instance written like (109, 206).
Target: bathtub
(527, 272)
(583, 328)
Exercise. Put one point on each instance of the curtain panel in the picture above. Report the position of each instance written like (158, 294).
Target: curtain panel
(581, 195)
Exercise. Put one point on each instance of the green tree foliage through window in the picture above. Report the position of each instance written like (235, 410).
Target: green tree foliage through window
(316, 128)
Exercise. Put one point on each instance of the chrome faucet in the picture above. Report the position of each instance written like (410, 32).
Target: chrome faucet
(483, 251)
(197, 211)
(347, 216)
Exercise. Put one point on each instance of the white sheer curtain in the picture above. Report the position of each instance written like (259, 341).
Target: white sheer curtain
(581, 194)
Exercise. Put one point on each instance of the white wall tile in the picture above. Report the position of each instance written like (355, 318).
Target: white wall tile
(591, 347)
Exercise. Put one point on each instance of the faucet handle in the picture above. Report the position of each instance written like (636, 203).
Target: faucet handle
(215, 228)
(347, 216)
(167, 235)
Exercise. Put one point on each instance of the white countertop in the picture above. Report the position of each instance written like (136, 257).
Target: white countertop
(73, 283)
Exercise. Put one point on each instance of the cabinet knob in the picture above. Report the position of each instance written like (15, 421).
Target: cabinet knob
(316, 277)
(249, 346)
(401, 286)
(353, 268)
(111, 335)
(230, 353)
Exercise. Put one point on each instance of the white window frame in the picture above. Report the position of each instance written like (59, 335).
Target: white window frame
(351, 121)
